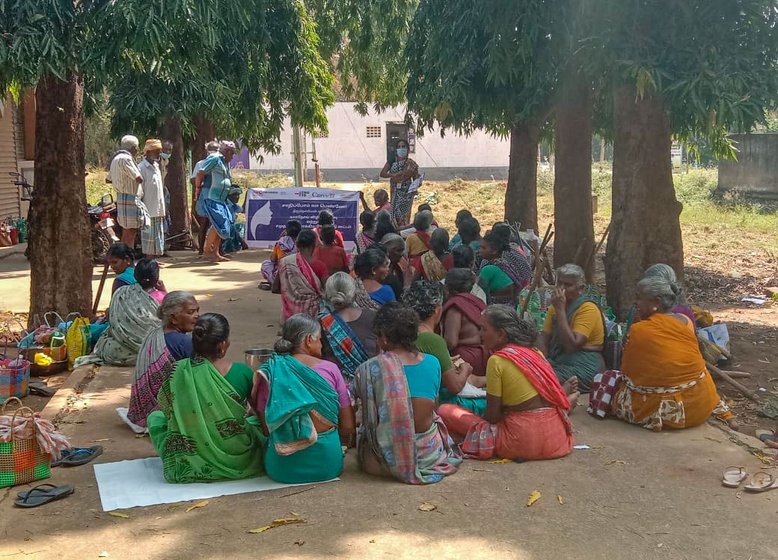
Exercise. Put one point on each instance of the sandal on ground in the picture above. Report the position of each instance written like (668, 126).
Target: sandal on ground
(77, 456)
(43, 494)
(761, 482)
(734, 477)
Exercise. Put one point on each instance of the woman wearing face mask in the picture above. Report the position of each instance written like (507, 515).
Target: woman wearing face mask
(401, 172)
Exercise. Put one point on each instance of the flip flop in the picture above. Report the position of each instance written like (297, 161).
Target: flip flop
(734, 477)
(77, 456)
(43, 494)
(761, 482)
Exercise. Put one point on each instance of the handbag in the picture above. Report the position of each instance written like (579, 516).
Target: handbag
(14, 376)
(77, 338)
(22, 460)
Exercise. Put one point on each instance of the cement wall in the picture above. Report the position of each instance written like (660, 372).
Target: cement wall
(355, 148)
(755, 173)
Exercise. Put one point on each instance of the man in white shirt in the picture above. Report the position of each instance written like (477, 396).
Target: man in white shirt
(153, 236)
(125, 177)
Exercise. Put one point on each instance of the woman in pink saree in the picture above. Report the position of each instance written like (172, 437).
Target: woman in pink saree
(301, 278)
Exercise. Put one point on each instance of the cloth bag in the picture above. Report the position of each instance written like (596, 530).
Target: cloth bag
(22, 459)
(77, 339)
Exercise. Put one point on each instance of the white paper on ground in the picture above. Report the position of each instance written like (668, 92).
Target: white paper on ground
(582, 446)
(140, 482)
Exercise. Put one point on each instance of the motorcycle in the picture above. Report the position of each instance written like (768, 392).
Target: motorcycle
(102, 219)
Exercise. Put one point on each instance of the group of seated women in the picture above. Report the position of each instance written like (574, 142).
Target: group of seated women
(418, 371)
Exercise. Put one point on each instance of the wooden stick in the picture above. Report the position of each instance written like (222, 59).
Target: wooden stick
(597, 247)
(746, 392)
(580, 251)
(737, 374)
(100, 289)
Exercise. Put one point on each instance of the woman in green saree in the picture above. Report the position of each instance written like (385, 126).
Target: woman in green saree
(574, 332)
(303, 405)
(200, 430)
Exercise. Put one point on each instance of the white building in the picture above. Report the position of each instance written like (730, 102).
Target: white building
(357, 147)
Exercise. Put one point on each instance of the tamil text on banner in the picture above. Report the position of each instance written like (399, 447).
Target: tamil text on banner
(268, 210)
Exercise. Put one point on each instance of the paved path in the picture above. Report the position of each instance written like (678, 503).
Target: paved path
(633, 495)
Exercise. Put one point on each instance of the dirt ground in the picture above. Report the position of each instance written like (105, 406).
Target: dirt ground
(632, 494)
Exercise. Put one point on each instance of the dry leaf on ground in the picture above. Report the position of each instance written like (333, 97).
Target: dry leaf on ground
(197, 505)
(500, 461)
(277, 523)
(615, 462)
(119, 514)
(426, 506)
(561, 500)
(534, 497)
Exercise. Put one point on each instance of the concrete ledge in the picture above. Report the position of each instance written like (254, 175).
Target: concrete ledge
(67, 397)
(12, 250)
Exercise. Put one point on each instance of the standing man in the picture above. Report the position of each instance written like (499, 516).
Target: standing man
(153, 236)
(202, 184)
(126, 179)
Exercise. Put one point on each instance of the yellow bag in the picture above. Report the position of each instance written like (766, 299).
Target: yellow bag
(77, 338)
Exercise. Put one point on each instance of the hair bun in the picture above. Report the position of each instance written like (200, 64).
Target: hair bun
(338, 299)
(675, 288)
(283, 346)
(198, 330)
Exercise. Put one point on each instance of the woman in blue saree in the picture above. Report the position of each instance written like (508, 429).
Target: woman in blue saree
(304, 407)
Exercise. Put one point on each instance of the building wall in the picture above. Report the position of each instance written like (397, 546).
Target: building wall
(755, 173)
(349, 152)
(9, 193)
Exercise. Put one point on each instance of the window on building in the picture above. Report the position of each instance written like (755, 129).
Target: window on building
(374, 132)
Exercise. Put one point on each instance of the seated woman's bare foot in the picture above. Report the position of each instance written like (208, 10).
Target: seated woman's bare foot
(573, 398)
(571, 385)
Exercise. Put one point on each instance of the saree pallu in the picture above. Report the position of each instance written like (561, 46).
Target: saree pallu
(387, 430)
(201, 431)
(296, 451)
(153, 366)
(471, 307)
(133, 315)
(300, 287)
(362, 298)
(345, 344)
(666, 383)
(432, 267)
(583, 364)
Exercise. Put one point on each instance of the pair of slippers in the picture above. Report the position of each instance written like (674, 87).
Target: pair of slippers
(76, 456)
(42, 494)
(760, 482)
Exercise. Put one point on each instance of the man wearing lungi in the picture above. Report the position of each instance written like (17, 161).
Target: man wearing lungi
(125, 177)
(153, 236)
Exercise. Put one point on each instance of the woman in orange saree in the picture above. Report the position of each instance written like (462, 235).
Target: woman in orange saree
(665, 383)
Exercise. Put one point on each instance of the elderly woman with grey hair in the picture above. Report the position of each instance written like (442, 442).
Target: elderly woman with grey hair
(665, 382)
(217, 166)
(666, 272)
(526, 407)
(574, 332)
(348, 329)
(303, 405)
(420, 241)
(160, 351)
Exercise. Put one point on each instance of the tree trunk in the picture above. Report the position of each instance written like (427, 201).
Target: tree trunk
(573, 221)
(60, 241)
(645, 227)
(521, 197)
(205, 131)
(176, 183)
